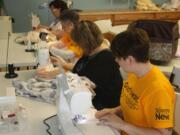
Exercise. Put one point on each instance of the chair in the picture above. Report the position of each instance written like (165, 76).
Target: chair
(175, 77)
(6, 24)
(177, 112)
(104, 25)
(175, 80)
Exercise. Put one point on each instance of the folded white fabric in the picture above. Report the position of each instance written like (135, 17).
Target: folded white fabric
(64, 53)
(75, 81)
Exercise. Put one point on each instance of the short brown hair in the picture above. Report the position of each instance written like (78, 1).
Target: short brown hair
(134, 42)
(87, 35)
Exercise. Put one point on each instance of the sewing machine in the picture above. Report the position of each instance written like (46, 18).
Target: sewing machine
(75, 111)
(43, 57)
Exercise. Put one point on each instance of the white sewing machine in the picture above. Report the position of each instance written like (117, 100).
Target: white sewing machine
(75, 111)
(43, 57)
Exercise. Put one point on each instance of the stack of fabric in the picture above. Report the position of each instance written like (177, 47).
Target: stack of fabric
(46, 90)
(36, 88)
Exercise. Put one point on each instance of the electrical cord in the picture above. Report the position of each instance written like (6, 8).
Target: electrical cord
(49, 127)
(45, 122)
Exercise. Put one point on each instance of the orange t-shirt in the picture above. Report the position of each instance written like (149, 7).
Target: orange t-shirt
(148, 101)
(66, 39)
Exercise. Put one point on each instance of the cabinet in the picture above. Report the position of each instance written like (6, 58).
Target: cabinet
(125, 17)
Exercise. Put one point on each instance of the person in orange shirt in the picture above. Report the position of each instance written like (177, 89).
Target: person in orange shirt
(70, 45)
(147, 98)
(68, 20)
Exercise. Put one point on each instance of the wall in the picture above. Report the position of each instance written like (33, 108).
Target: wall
(22, 17)
(21, 10)
(108, 4)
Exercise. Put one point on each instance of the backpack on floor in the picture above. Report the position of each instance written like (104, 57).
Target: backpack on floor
(163, 39)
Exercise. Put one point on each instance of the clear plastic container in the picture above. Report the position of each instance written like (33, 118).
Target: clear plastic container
(12, 117)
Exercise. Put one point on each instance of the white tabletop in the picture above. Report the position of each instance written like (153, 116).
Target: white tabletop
(16, 53)
(37, 111)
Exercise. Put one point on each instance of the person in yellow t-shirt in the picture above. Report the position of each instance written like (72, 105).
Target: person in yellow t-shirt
(147, 98)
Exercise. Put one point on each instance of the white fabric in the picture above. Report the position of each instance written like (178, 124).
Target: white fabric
(56, 25)
(35, 20)
(64, 53)
(75, 81)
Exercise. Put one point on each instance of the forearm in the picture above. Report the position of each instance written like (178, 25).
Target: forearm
(68, 66)
(118, 111)
(48, 74)
(118, 108)
(135, 130)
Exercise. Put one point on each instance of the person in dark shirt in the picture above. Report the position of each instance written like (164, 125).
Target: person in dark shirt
(97, 64)
(104, 72)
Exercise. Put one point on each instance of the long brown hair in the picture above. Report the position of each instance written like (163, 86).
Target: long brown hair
(87, 35)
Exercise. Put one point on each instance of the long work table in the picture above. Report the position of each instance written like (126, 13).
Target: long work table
(16, 53)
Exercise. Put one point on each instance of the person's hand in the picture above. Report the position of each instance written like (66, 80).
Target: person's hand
(112, 120)
(42, 27)
(108, 111)
(104, 112)
(58, 61)
(61, 63)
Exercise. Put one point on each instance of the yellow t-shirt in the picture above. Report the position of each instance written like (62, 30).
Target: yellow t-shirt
(148, 101)
(66, 39)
